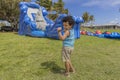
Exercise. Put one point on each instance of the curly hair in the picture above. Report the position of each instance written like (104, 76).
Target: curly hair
(69, 19)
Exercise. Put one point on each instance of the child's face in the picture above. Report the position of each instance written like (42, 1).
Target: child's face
(66, 25)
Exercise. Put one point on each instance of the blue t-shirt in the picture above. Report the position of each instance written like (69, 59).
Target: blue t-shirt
(69, 41)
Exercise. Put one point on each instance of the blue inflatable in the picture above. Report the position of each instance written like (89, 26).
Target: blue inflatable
(34, 22)
(112, 35)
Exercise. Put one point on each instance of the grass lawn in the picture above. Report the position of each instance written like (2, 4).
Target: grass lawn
(28, 58)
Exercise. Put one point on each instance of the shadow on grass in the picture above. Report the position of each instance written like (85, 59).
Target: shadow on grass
(52, 66)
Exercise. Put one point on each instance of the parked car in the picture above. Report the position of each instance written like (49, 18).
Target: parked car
(7, 28)
(5, 22)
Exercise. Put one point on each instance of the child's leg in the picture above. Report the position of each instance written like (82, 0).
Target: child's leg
(71, 67)
(67, 66)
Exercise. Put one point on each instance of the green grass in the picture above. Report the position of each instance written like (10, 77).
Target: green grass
(28, 58)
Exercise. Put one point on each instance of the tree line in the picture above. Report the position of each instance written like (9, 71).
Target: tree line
(9, 10)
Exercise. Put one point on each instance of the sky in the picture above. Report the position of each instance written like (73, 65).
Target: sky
(104, 11)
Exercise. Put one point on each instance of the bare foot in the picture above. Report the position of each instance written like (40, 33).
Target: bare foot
(71, 70)
(67, 74)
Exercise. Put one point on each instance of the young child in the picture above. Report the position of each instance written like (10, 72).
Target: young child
(68, 42)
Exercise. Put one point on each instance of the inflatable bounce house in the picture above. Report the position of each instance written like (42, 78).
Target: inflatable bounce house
(98, 33)
(34, 21)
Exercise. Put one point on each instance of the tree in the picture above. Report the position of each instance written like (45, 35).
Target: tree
(85, 17)
(66, 11)
(91, 19)
(9, 11)
(46, 3)
(88, 18)
(59, 7)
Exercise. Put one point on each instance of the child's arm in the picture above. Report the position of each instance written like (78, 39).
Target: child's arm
(62, 37)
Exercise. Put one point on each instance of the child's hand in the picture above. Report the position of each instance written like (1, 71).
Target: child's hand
(59, 29)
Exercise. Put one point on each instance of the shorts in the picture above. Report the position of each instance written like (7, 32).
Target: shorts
(66, 52)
